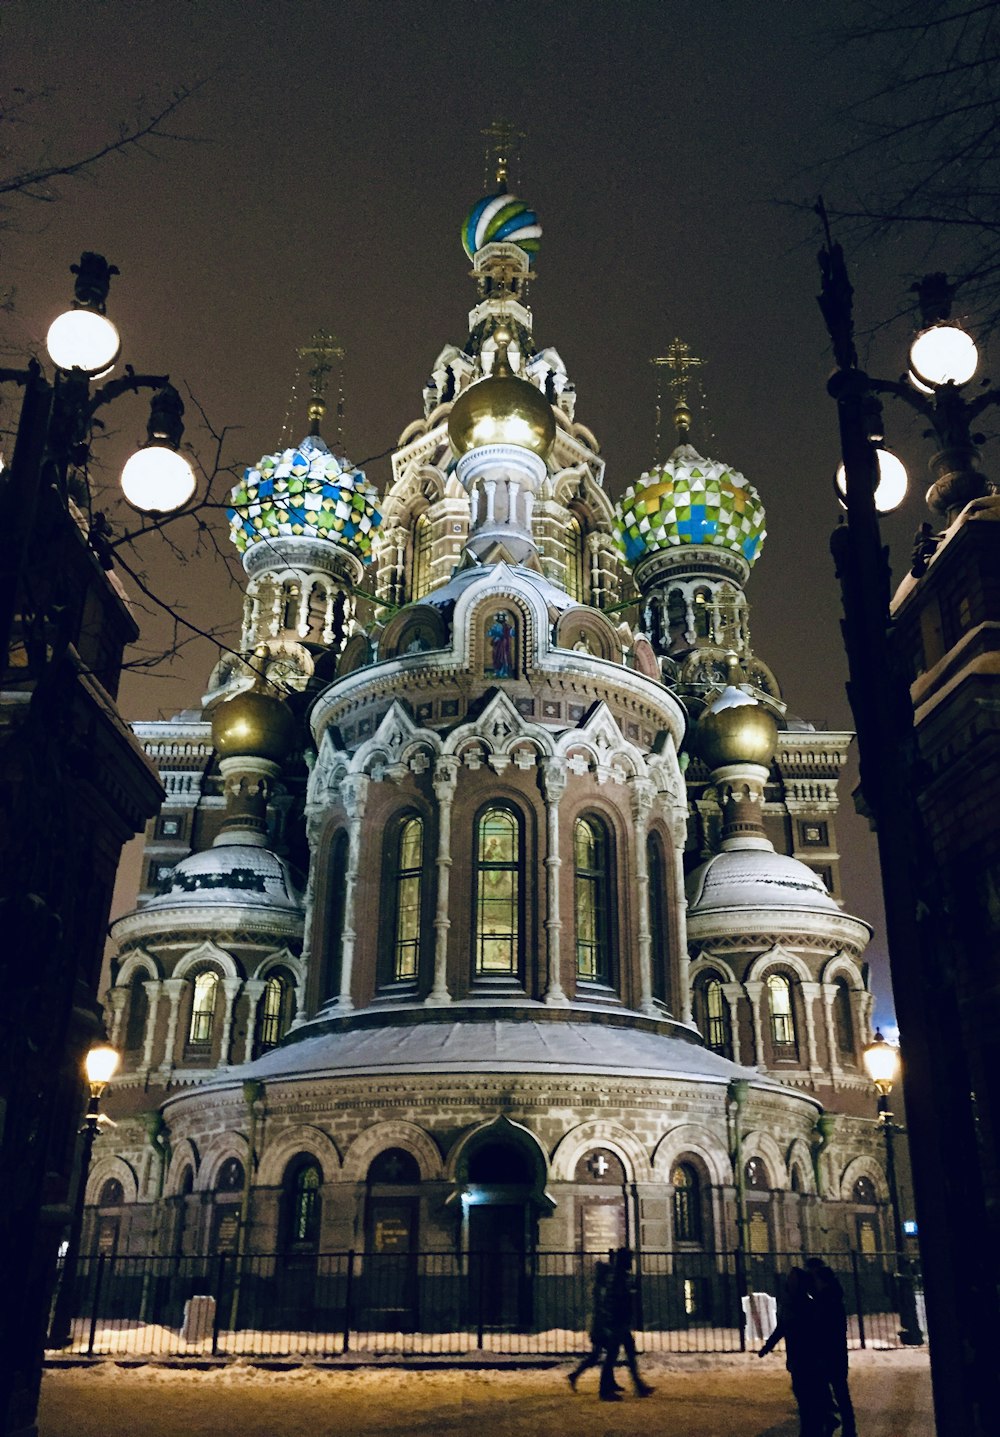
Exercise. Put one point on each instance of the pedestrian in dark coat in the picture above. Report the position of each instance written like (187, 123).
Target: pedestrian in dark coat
(598, 1322)
(621, 1296)
(798, 1325)
(831, 1321)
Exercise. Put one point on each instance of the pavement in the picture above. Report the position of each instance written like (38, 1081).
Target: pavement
(736, 1396)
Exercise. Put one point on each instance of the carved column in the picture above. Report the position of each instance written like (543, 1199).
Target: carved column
(553, 778)
(829, 995)
(154, 988)
(253, 989)
(810, 992)
(754, 989)
(733, 992)
(116, 1002)
(445, 781)
(314, 828)
(173, 987)
(641, 793)
(230, 987)
(355, 795)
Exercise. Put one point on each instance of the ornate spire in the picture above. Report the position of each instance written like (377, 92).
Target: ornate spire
(680, 362)
(502, 142)
(324, 352)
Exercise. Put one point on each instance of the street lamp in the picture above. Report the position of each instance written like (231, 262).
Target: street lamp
(101, 1064)
(881, 1061)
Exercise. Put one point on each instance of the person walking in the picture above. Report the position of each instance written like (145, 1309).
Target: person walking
(620, 1301)
(831, 1336)
(798, 1324)
(598, 1323)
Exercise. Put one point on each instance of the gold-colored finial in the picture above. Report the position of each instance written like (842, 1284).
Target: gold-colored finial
(680, 362)
(323, 350)
(501, 147)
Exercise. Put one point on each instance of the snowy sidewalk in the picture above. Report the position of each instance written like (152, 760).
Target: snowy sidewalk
(738, 1396)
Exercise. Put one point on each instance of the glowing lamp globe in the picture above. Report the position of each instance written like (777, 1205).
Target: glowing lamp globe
(881, 1063)
(157, 480)
(944, 354)
(890, 491)
(101, 1064)
(83, 339)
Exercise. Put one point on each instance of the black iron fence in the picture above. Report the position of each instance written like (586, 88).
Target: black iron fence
(442, 1304)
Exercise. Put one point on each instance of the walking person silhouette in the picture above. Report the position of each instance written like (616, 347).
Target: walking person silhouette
(620, 1300)
(598, 1323)
(800, 1325)
(831, 1337)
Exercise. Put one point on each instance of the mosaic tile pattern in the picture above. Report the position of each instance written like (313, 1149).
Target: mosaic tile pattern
(305, 491)
(690, 500)
(501, 218)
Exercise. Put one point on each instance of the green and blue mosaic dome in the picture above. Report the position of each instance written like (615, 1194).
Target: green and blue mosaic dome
(690, 500)
(501, 218)
(305, 491)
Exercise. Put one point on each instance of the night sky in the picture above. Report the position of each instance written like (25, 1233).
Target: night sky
(327, 163)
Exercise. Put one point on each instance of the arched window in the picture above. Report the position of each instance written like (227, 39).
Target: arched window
(421, 571)
(573, 541)
(843, 1019)
(659, 950)
(302, 1188)
(779, 994)
(138, 1013)
(112, 1194)
(290, 606)
(756, 1175)
(275, 1012)
(335, 935)
(703, 613)
(716, 1017)
(591, 862)
(407, 867)
(206, 988)
(395, 1165)
(231, 1175)
(686, 1203)
(864, 1192)
(498, 894)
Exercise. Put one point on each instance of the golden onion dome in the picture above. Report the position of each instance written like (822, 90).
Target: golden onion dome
(502, 409)
(254, 724)
(735, 729)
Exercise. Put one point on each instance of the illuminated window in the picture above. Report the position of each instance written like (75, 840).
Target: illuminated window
(574, 560)
(590, 856)
(409, 853)
(498, 861)
(686, 1204)
(275, 1012)
(421, 571)
(304, 1183)
(206, 988)
(716, 1017)
(782, 1022)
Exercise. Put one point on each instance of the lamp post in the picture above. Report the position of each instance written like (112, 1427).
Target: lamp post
(882, 1063)
(926, 955)
(101, 1064)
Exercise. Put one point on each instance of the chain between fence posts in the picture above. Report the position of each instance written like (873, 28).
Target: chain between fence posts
(98, 1284)
(217, 1317)
(348, 1301)
(856, 1278)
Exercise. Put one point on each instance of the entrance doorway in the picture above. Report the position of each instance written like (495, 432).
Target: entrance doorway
(499, 1284)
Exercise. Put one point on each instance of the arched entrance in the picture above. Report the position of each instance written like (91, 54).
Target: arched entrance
(502, 1195)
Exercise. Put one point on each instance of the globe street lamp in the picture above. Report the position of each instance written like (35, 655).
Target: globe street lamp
(101, 1065)
(881, 1061)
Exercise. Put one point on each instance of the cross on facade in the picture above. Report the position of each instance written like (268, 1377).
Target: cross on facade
(599, 1165)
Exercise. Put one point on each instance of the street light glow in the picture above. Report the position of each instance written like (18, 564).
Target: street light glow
(944, 354)
(157, 480)
(83, 339)
(101, 1064)
(881, 1061)
(892, 481)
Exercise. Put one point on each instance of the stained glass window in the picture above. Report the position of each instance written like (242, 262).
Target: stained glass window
(305, 1188)
(421, 573)
(590, 853)
(574, 560)
(716, 1017)
(409, 865)
(498, 861)
(686, 1204)
(206, 987)
(275, 1011)
(782, 1022)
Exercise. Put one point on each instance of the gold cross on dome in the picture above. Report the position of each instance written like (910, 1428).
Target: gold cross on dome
(324, 350)
(680, 362)
(502, 139)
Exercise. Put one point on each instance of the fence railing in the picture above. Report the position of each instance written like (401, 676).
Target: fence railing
(443, 1304)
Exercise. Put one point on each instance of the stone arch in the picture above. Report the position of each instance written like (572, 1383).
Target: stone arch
(799, 1156)
(293, 1143)
(709, 963)
(758, 1144)
(600, 1133)
(863, 1166)
(222, 1147)
(692, 1140)
(501, 1129)
(499, 587)
(842, 965)
(419, 624)
(644, 657)
(408, 1136)
(138, 961)
(778, 957)
(111, 1167)
(589, 626)
(184, 1155)
(282, 958)
(208, 952)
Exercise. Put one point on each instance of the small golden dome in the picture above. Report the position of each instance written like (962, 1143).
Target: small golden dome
(253, 725)
(735, 732)
(502, 409)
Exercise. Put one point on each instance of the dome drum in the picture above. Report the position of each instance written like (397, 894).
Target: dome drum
(303, 555)
(694, 560)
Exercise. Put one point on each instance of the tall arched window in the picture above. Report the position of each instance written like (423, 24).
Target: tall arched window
(716, 1017)
(206, 989)
(686, 1203)
(275, 1012)
(335, 933)
(421, 571)
(659, 951)
(407, 867)
(843, 1019)
(591, 861)
(779, 993)
(574, 560)
(498, 894)
(303, 1184)
(138, 1013)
